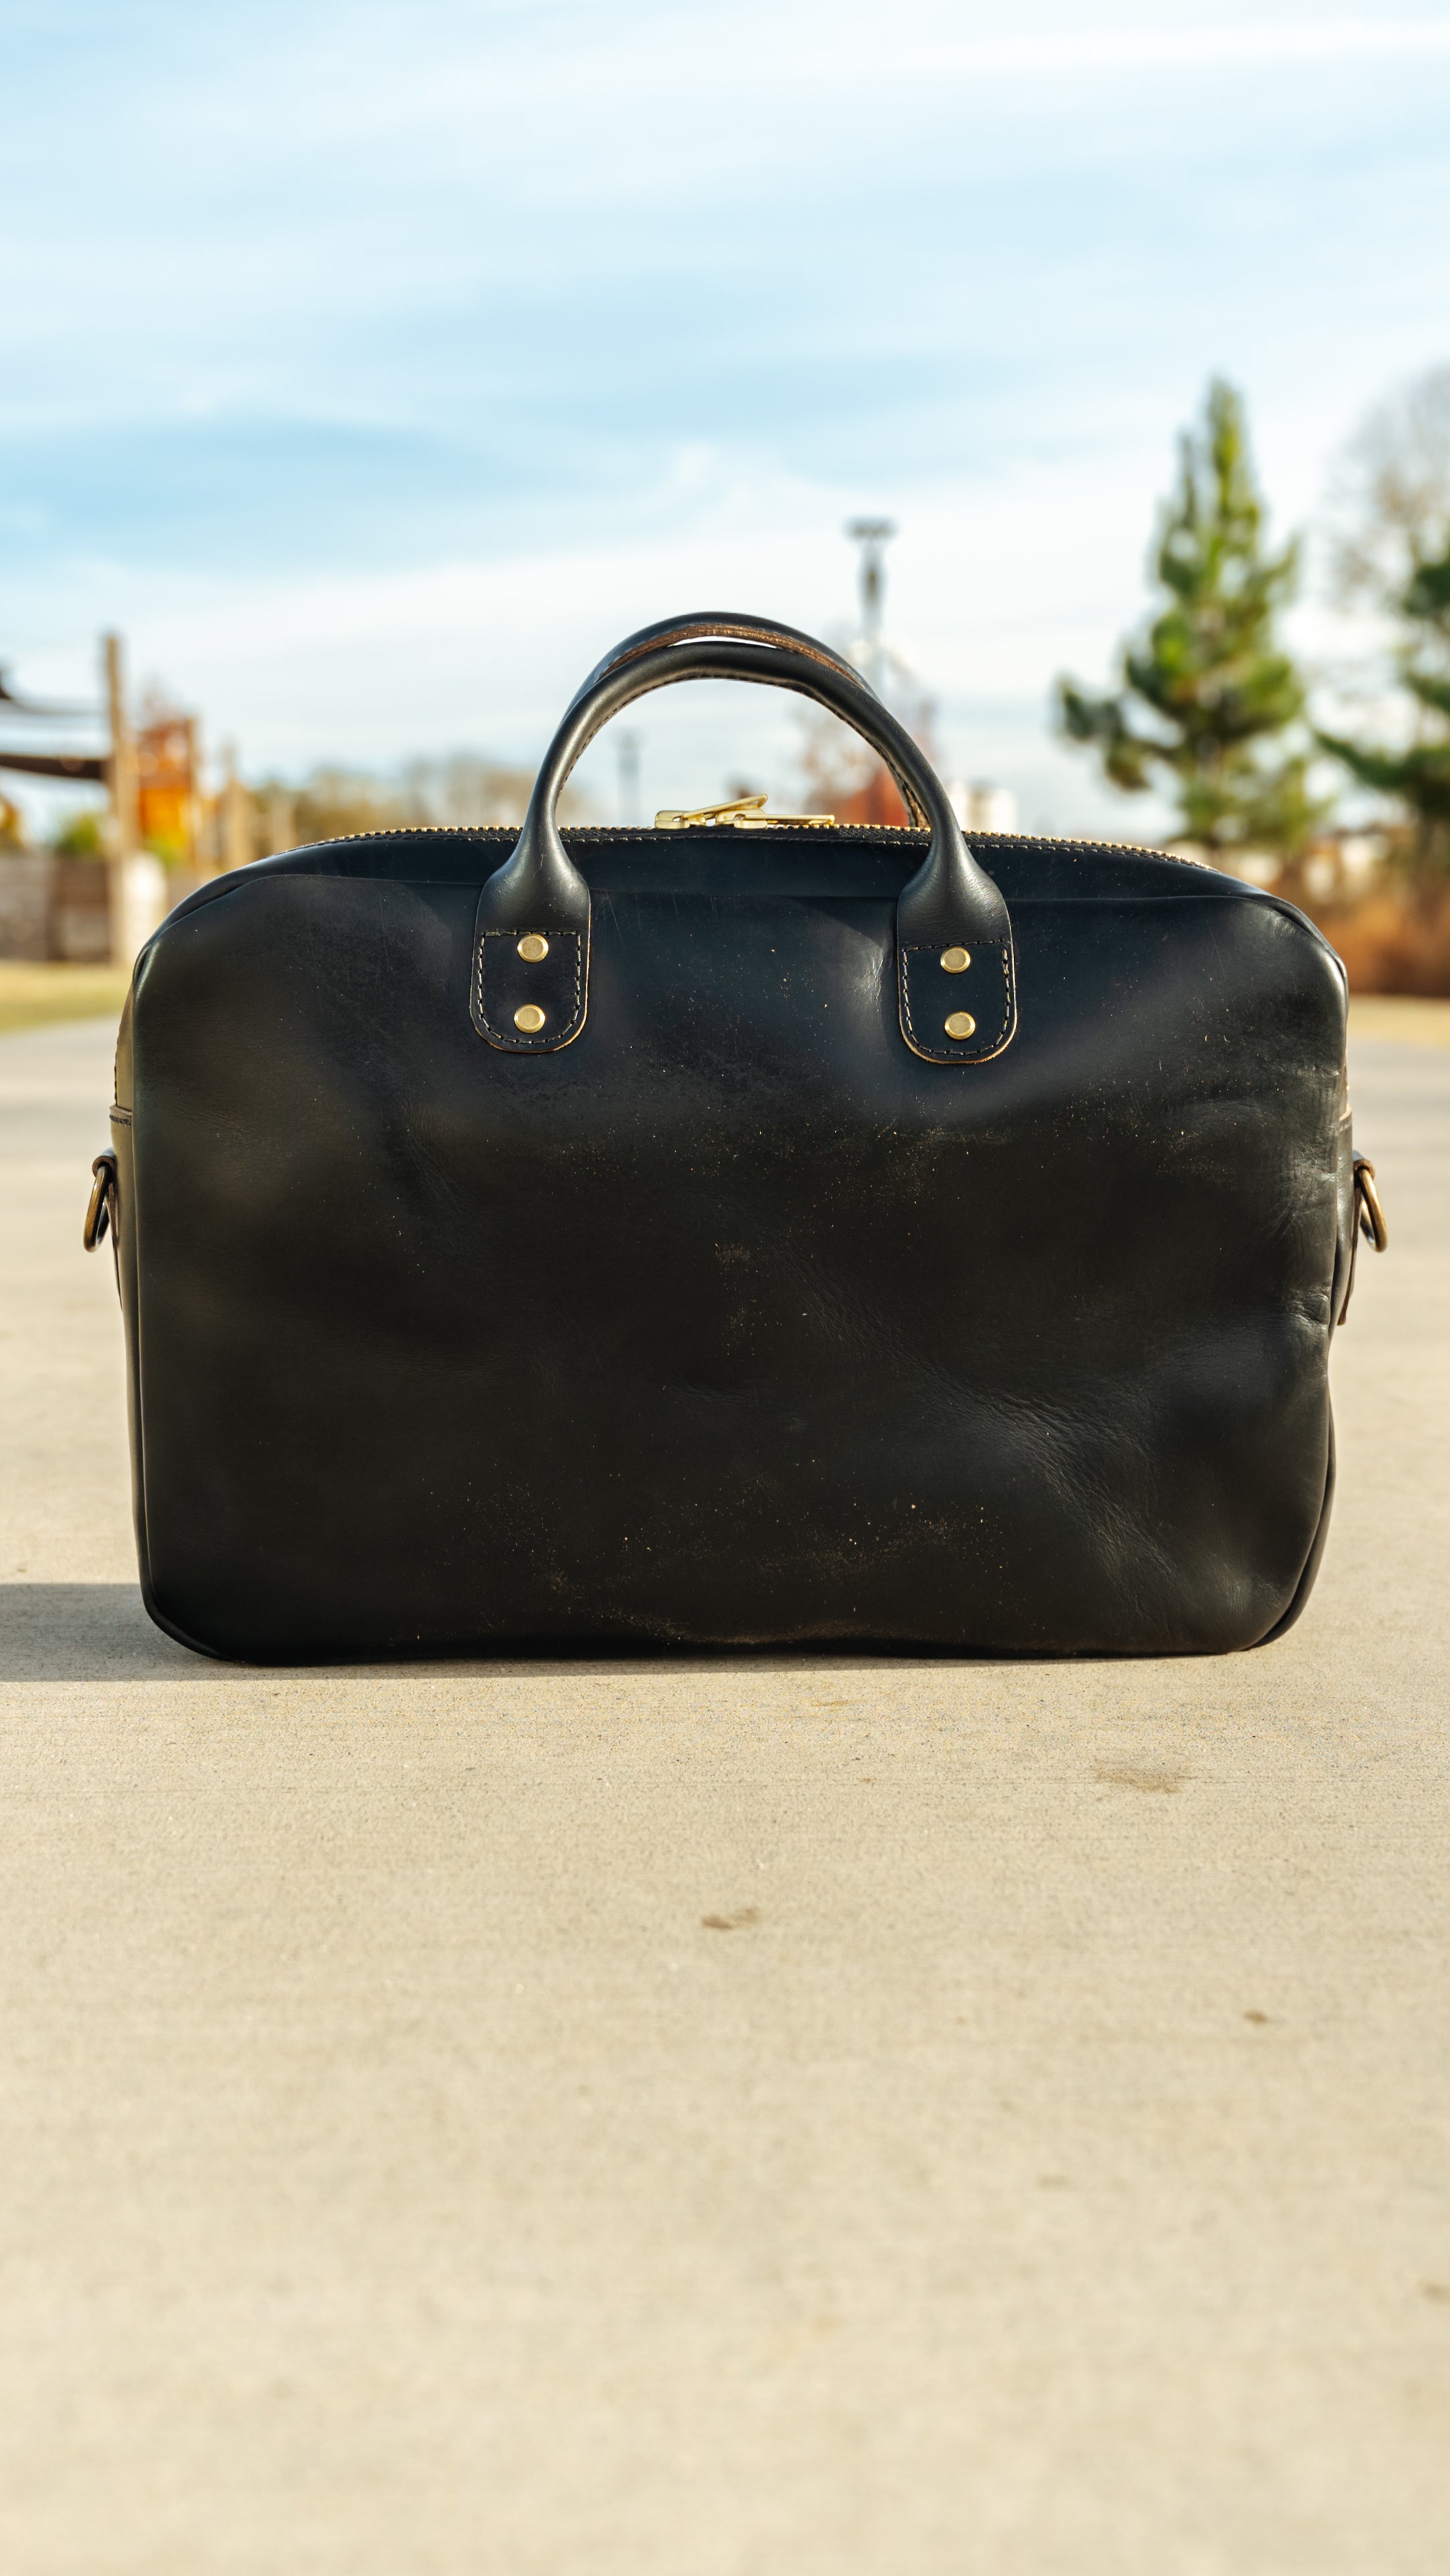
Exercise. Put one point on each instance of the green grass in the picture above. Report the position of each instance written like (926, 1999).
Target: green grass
(31, 995)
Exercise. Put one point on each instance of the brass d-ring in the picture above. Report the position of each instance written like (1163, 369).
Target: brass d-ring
(1367, 1199)
(98, 1214)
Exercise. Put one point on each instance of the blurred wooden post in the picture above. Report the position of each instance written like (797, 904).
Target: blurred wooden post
(279, 822)
(237, 849)
(200, 849)
(122, 782)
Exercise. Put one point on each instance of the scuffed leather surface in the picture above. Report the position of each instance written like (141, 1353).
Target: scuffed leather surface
(741, 1324)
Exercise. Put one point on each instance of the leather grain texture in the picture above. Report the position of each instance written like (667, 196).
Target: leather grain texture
(738, 1322)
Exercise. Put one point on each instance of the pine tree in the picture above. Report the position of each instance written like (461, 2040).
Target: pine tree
(1419, 775)
(1210, 688)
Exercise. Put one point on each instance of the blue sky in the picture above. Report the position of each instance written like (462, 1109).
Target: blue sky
(374, 366)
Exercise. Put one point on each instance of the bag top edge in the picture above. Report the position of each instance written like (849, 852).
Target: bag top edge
(891, 835)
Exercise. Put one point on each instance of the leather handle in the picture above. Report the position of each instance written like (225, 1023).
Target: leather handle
(722, 624)
(689, 655)
(957, 1012)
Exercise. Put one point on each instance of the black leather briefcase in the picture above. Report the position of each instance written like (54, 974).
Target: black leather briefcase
(730, 1236)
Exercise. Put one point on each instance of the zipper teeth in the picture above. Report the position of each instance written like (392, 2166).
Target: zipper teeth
(640, 832)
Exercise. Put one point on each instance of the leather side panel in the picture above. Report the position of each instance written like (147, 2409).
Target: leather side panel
(1344, 1217)
(1313, 1560)
(123, 1228)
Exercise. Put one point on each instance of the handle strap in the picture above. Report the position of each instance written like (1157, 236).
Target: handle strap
(956, 980)
(720, 625)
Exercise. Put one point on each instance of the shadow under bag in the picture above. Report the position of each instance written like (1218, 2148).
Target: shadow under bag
(730, 1236)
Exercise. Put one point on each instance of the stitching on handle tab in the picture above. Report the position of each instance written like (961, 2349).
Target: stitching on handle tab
(513, 1041)
(932, 1054)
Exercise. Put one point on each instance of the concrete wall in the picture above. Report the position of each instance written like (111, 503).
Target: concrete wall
(80, 916)
(25, 903)
(59, 908)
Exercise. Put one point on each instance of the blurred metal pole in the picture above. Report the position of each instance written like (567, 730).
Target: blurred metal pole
(628, 745)
(871, 535)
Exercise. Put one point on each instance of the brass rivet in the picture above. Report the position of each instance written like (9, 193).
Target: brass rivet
(529, 1018)
(961, 1025)
(956, 960)
(533, 947)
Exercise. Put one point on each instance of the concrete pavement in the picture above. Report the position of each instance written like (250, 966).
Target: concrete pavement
(763, 2118)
